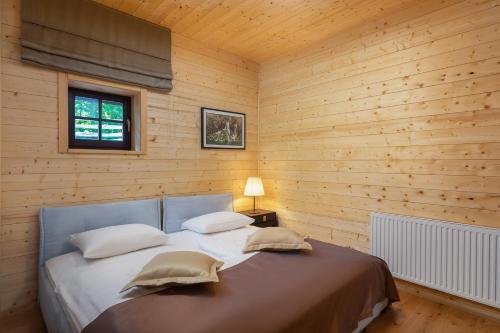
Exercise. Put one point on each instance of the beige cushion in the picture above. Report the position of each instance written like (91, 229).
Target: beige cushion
(276, 239)
(182, 267)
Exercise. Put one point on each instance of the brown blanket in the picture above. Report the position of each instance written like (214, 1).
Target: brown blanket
(327, 290)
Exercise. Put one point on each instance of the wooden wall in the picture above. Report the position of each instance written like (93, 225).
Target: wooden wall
(34, 174)
(401, 115)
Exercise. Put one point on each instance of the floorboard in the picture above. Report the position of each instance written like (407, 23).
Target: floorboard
(29, 321)
(417, 314)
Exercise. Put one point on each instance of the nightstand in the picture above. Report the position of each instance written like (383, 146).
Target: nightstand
(263, 218)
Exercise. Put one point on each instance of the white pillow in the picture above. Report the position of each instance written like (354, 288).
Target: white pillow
(117, 239)
(215, 222)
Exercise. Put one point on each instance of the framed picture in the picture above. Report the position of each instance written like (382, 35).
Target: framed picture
(222, 129)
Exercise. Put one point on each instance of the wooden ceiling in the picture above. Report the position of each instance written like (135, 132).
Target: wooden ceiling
(257, 29)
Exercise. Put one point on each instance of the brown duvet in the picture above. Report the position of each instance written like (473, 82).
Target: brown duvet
(328, 289)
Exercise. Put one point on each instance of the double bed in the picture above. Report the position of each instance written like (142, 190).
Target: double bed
(330, 289)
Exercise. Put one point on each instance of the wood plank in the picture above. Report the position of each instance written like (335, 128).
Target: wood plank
(476, 200)
(417, 167)
(419, 314)
(312, 200)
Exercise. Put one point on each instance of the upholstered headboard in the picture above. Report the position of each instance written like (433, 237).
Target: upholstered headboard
(176, 210)
(57, 224)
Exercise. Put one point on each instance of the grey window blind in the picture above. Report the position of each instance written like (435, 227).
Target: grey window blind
(84, 37)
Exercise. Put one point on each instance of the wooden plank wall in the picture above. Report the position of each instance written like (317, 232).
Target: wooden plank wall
(401, 115)
(34, 174)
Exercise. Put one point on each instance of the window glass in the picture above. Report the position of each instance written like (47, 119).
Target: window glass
(112, 110)
(99, 120)
(86, 107)
(112, 131)
(86, 129)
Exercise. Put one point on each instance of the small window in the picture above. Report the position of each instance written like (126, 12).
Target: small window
(98, 120)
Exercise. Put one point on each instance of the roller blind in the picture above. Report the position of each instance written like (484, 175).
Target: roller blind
(84, 37)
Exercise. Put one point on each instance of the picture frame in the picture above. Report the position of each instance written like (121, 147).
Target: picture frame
(222, 129)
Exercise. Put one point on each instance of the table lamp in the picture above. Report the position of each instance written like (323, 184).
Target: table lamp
(254, 188)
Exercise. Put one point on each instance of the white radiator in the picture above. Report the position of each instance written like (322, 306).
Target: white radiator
(459, 259)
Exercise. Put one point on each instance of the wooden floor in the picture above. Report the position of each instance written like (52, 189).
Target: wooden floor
(27, 322)
(417, 314)
(412, 314)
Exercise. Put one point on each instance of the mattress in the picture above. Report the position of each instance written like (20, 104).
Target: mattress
(87, 288)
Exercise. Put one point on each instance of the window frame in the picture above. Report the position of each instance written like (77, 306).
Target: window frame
(74, 143)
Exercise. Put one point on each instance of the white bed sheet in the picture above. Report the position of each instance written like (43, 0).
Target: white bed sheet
(228, 245)
(86, 288)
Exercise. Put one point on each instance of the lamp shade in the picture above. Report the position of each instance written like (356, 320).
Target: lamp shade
(254, 187)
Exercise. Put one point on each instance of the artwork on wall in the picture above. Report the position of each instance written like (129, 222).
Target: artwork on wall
(222, 129)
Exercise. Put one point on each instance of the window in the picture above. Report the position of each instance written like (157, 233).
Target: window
(101, 113)
(98, 120)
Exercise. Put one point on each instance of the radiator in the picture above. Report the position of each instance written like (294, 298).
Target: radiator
(459, 259)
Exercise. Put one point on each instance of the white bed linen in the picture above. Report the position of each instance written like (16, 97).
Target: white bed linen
(87, 287)
(228, 245)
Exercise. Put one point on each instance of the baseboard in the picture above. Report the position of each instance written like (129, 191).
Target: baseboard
(472, 307)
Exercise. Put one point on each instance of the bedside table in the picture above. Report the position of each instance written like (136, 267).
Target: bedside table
(263, 218)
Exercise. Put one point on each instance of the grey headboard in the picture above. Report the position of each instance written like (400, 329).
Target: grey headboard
(176, 210)
(57, 224)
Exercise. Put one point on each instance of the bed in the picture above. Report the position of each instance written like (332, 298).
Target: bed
(78, 295)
